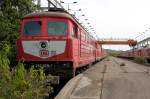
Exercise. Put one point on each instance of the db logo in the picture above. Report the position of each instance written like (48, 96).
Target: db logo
(44, 53)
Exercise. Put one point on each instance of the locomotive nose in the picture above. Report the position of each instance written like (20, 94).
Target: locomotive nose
(44, 48)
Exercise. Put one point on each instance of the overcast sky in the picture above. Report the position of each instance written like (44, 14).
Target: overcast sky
(115, 18)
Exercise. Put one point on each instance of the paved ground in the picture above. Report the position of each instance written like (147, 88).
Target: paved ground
(109, 80)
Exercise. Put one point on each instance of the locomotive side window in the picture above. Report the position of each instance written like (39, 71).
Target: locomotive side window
(83, 36)
(32, 28)
(57, 28)
(74, 32)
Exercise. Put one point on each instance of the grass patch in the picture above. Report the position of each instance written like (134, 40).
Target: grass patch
(140, 60)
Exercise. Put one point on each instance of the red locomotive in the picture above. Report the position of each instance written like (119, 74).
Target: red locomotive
(56, 40)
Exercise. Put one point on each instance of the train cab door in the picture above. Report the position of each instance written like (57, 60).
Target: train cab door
(75, 42)
(79, 42)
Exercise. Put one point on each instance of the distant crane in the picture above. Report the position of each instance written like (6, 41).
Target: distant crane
(129, 42)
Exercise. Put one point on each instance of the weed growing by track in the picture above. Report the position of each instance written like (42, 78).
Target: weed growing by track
(18, 83)
(140, 60)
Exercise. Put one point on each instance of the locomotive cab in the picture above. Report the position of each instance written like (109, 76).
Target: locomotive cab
(42, 38)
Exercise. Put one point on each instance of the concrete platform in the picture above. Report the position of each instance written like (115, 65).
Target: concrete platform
(108, 80)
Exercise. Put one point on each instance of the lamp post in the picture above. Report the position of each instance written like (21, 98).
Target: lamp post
(74, 11)
(81, 16)
(68, 3)
(86, 19)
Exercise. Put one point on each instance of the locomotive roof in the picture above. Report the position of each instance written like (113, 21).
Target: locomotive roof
(50, 14)
(61, 14)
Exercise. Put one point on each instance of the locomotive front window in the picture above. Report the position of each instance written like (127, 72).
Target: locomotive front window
(57, 28)
(32, 28)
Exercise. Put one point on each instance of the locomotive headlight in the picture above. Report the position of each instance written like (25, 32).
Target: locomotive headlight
(43, 44)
